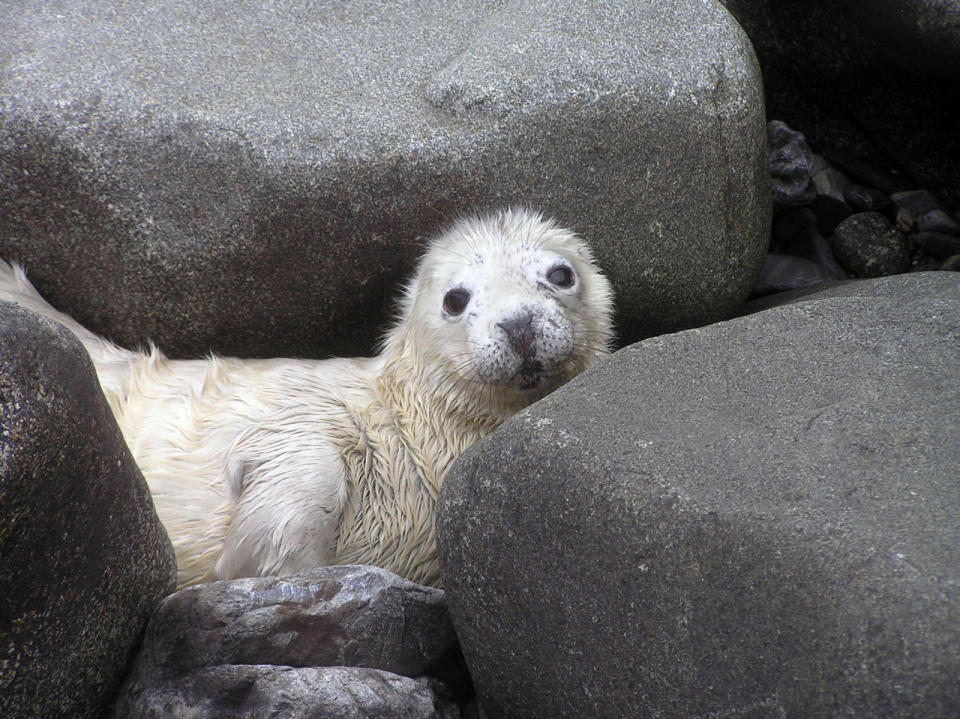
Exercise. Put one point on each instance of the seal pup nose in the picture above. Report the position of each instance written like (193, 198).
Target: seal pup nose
(520, 333)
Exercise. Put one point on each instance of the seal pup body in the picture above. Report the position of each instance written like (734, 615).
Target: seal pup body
(271, 466)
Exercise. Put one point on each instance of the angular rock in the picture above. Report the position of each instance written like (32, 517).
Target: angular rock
(257, 180)
(330, 616)
(83, 558)
(830, 204)
(919, 210)
(867, 245)
(307, 693)
(756, 518)
(864, 170)
(791, 166)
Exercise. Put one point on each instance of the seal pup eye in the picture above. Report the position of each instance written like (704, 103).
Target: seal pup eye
(561, 276)
(455, 302)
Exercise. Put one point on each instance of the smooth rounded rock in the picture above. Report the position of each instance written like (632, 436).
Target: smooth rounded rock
(84, 559)
(258, 180)
(756, 518)
(867, 245)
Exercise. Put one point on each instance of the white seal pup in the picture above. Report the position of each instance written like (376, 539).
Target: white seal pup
(262, 467)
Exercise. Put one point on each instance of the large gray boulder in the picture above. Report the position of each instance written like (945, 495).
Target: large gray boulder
(83, 558)
(257, 179)
(753, 519)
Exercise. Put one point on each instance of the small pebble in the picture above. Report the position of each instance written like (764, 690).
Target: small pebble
(868, 245)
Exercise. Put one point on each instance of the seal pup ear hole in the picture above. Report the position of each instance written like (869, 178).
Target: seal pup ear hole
(456, 301)
(562, 276)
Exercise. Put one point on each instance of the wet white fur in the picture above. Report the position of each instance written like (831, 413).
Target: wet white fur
(271, 466)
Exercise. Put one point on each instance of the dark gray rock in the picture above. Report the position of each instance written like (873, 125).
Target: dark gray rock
(938, 245)
(809, 244)
(786, 272)
(791, 223)
(329, 616)
(865, 170)
(307, 693)
(83, 557)
(919, 211)
(349, 616)
(756, 518)
(830, 204)
(867, 245)
(791, 166)
(257, 180)
(865, 199)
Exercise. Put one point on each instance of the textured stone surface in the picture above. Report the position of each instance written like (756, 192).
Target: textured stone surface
(329, 616)
(235, 647)
(868, 245)
(83, 557)
(252, 692)
(255, 179)
(753, 519)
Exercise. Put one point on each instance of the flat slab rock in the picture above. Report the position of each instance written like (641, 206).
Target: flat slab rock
(754, 519)
(258, 179)
(242, 647)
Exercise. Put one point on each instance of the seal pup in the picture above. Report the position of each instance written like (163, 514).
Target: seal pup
(270, 466)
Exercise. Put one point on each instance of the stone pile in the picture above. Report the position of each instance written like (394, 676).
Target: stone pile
(871, 79)
(336, 642)
(847, 219)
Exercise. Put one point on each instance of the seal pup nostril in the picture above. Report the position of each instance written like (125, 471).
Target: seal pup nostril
(520, 333)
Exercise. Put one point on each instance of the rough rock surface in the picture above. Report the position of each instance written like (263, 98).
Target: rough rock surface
(342, 616)
(253, 692)
(83, 557)
(868, 245)
(254, 179)
(753, 519)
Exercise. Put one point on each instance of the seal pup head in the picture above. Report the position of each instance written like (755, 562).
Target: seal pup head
(506, 306)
